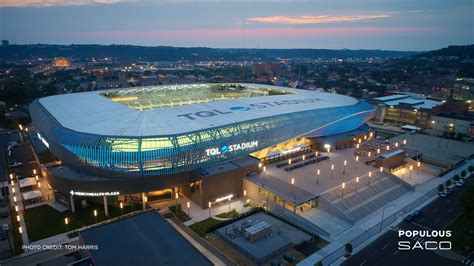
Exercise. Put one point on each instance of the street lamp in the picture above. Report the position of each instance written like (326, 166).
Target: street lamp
(189, 204)
(209, 205)
(36, 177)
(11, 176)
(404, 142)
(304, 157)
(369, 153)
(95, 215)
(293, 186)
(403, 172)
(317, 172)
(317, 153)
(34, 171)
(378, 151)
(332, 170)
(396, 144)
(411, 170)
(345, 164)
(343, 186)
(121, 207)
(39, 184)
(66, 221)
(388, 147)
(383, 212)
(14, 198)
(357, 182)
(16, 209)
(259, 165)
(20, 230)
(18, 218)
(13, 189)
(357, 146)
(370, 175)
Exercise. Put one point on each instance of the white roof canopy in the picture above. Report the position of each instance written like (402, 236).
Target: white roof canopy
(31, 195)
(26, 182)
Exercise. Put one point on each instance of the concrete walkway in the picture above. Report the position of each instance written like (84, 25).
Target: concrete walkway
(394, 208)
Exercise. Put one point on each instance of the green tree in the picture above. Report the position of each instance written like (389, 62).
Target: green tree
(463, 173)
(449, 183)
(440, 188)
(348, 248)
(456, 178)
(471, 168)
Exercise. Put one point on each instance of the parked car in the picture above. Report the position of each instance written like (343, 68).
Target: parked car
(459, 183)
(4, 214)
(5, 227)
(15, 164)
(416, 213)
(442, 194)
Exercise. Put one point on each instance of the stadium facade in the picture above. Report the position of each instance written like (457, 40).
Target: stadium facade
(142, 139)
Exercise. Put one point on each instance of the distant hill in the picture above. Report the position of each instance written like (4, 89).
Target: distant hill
(167, 53)
(453, 50)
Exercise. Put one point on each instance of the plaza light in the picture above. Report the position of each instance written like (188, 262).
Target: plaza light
(289, 161)
(345, 164)
(66, 221)
(12, 182)
(304, 157)
(18, 218)
(332, 169)
(365, 137)
(404, 142)
(14, 198)
(419, 163)
(316, 154)
(189, 204)
(95, 215)
(13, 189)
(357, 182)
(16, 208)
(342, 191)
(20, 126)
(371, 134)
(36, 177)
(11, 176)
(381, 169)
(317, 172)
(209, 204)
(245, 192)
(259, 165)
(20, 230)
(388, 147)
(396, 144)
(121, 207)
(357, 146)
(403, 172)
(357, 158)
(34, 171)
(411, 170)
(327, 147)
(39, 184)
(370, 153)
(378, 151)
(360, 140)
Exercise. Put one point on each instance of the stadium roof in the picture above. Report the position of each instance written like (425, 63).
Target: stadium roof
(91, 112)
(143, 239)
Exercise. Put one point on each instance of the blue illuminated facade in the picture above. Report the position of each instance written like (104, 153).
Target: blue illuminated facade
(128, 156)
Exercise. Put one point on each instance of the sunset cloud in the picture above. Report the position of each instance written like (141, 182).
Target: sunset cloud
(302, 20)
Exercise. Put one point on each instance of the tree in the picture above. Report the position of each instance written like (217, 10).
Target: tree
(467, 202)
(471, 168)
(463, 173)
(348, 248)
(449, 183)
(440, 188)
(456, 178)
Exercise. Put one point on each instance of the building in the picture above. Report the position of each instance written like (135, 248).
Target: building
(5, 43)
(406, 109)
(452, 122)
(148, 236)
(193, 139)
(61, 62)
(268, 70)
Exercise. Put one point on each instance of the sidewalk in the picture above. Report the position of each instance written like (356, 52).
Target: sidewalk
(394, 209)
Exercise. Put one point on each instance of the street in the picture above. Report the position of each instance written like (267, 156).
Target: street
(435, 216)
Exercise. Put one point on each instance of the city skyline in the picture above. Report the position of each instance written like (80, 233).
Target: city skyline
(387, 25)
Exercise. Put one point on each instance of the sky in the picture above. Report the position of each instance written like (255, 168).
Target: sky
(330, 24)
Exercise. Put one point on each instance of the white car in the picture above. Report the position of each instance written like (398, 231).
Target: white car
(459, 183)
(442, 194)
(5, 227)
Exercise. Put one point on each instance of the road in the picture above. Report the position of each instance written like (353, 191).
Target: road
(435, 216)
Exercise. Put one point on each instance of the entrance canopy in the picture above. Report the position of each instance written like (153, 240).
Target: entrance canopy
(26, 182)
(31, 195)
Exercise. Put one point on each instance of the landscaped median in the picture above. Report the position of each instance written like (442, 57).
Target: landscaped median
(44, 221)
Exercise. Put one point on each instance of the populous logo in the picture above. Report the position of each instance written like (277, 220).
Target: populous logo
(231, 148)
(260, 105)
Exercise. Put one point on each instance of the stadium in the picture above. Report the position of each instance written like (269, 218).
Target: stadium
(165, 138)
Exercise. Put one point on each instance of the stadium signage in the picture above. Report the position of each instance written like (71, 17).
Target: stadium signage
(260, 105)
(94, 194)
(231, 148)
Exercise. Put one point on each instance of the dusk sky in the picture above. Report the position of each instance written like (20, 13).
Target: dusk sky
(365, 24)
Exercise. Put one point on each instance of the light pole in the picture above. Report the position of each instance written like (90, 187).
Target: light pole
(121, 207)
(357, 160)
(95, 215)
(332, 170)
(369, 154)
(411, 170)
(317, 179)
(345, 164)
(357, 182)
(378, 151)
(418, 166)
(381, 171)
(342, 191)
(388, 147)
(293, 186)
(396, 144)
(209, 205)
(370, 175)
(189, 206)
(383, 212)
(176, 202)
(66, 221)
(304, 157)
(264, 174)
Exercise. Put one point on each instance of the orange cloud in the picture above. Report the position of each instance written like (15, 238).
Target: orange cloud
(300, 20)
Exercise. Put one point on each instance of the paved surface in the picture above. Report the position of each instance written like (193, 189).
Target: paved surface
(435, 216)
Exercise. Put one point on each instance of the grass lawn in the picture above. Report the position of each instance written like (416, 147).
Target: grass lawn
(201, 227)
(44, 221)
(230, 214)
(180, 214)
(462, 237)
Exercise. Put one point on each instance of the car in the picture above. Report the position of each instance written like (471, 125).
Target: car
(5, 227)
(409, 218)
(416, 213)
(442, 194)
(3, 235)
(459, 183)
(3, 214)
(15, 164)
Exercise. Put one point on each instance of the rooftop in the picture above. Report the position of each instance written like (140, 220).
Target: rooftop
(147, 236)
(89, 112)
(405, 99)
